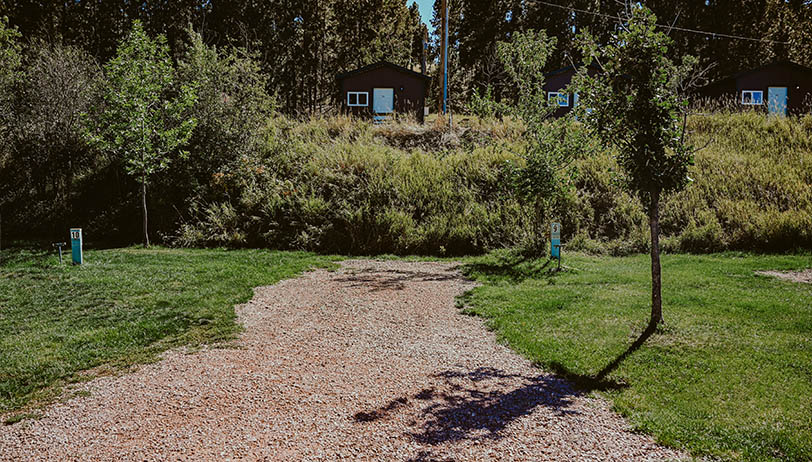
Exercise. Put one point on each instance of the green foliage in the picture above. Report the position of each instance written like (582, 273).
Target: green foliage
(231, 109)
(483, 106)
(476, 26)
(632, 103)
(551, 144)
(10, 74)
(315, 184)
(10, 61)
(140, 122)
(60, 84)
(49, 157)
(727, 379)
(333, 187)
(303, 44)
(751, 191)
(524, 58)
(121, 307)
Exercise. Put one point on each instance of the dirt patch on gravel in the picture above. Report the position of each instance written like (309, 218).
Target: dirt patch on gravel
(371, 362)
(804, 276)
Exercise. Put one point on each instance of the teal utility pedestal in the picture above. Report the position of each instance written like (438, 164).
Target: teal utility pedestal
(76, 246)
(555, 243)
(555, 240)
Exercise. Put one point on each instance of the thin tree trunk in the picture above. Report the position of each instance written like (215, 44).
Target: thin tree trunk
(144, 205)
(656, 281)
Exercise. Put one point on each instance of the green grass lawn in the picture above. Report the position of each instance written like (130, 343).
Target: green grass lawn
(122, 307)
(730, 376)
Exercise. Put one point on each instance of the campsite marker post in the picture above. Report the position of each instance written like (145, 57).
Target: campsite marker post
(59, 245)
(555, 242)
(76, 245)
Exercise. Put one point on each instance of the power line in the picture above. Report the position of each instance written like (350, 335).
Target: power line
(681, 29)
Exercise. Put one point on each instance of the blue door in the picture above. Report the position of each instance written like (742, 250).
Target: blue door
(777, 100)
(383, 103)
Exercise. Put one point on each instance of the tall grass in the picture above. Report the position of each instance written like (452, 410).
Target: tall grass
(751, 190)
(337, 184)
(341, 185)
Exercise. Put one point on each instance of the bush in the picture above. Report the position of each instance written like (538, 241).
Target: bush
(751, 190)
(338, 185)
(45, 136)
(347, 190)
(231, 110)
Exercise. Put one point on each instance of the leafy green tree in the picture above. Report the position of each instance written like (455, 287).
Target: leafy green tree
(635, 104)
(60, 84)
(10, 75)
(551, 143)
(10, 70)
(231, 110)
(143, 120)
(524, 58)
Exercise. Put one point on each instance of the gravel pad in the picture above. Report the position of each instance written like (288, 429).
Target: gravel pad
(371, 362)
(804, 276)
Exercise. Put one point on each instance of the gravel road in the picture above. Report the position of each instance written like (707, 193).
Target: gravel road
(371, 362)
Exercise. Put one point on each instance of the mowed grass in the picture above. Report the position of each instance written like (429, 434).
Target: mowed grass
(730, 376)
(123, 306)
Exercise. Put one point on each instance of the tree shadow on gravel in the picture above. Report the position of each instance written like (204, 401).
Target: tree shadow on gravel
(476, 405)
(378, 280)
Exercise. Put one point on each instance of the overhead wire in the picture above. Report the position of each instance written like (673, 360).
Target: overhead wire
(672, 27)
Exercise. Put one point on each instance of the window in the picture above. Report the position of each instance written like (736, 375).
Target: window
(752, 97)
(562, 98)
(357, 98)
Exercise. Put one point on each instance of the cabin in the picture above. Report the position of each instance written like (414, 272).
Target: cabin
(781, 88)
(555, 85)
(383, 89)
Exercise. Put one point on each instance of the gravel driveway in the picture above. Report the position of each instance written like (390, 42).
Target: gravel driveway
(371, 362)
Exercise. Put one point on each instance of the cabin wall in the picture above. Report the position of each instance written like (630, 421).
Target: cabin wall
(557, 82)
(797, 81)
(410, 91)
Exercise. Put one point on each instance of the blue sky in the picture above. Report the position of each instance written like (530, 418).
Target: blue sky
(426, 7)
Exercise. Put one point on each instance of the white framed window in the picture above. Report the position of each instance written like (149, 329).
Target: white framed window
(752, 97)
(562, 98)
(357, 98)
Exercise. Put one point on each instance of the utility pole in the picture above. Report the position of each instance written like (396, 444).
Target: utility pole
(425, 50)
(446, 107)
(441, 102)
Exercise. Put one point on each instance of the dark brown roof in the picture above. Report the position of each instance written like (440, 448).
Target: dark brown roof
(759, 69)
(379, 65)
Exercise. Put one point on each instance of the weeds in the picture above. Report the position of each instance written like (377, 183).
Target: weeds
(336, 184)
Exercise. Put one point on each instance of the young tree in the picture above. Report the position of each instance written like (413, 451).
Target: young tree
(635, 104)
(551, 143)
(143, 120)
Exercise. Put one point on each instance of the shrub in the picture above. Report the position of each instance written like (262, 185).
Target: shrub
(338, 185)
(231, 110)
(45, 135)
(751, 190)
(349, 191)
